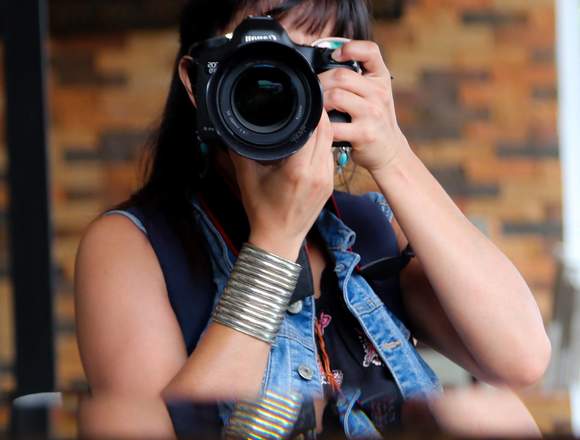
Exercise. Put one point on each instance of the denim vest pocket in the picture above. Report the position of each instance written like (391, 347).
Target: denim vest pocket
(356, 423)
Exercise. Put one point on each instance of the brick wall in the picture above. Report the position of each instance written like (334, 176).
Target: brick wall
(475, 92)
(476, 95)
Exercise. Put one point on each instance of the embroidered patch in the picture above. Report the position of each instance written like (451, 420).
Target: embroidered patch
(338, 377)
(338, 374)
(324, 321)
(371, 355)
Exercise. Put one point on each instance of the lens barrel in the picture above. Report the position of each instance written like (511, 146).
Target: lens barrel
(267, 101)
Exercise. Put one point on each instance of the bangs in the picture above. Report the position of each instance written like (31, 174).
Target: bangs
(349, 18)
(203, 19)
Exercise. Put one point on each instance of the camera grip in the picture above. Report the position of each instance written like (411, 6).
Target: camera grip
(336, 116)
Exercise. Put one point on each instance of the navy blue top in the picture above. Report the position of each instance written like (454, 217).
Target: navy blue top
(353, 359)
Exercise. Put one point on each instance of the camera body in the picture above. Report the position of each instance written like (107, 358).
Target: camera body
(258, 91)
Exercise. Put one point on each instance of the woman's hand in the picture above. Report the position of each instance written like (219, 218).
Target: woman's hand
(368, 98)
(283, 200)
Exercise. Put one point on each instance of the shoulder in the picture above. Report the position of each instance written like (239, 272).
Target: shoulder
(114, 250)
(112, 234)
(114, 225)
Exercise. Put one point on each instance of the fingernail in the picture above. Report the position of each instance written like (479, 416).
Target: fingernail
(337, 54)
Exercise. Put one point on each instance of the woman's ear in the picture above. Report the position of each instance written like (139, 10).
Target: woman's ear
(185, 64)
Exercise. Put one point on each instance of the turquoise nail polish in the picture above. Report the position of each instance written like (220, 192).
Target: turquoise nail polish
(204, 148)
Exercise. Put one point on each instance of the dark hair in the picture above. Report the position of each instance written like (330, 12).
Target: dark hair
(173, 160)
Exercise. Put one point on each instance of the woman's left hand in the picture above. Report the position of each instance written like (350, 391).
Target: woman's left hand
(368, 98)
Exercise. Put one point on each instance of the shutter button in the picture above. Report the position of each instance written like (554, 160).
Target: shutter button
(295, 307)
(305, 372)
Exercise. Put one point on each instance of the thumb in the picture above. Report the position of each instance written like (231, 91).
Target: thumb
(242, 164)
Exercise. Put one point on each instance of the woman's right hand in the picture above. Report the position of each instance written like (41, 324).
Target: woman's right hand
(283, 200)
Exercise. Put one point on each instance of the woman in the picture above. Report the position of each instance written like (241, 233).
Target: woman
(460, 294)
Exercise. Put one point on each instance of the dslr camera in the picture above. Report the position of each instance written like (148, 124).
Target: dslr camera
(258, 92)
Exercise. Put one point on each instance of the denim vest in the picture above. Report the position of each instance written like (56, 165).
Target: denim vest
(292, 362)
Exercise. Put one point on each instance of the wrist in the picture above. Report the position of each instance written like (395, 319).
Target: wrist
(283, 248)
(399, 162)
(257, 295)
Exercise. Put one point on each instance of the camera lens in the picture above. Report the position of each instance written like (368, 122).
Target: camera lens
(264, 98)
(265, 101)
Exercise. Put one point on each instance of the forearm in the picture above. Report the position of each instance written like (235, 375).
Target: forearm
(112, 415)
(226, 365)
(482, 293)
(230, 359)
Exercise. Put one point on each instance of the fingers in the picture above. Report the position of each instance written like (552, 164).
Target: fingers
(355, 133)
(365, 52)
(348, 80)
(346, 102)
(308, 159)
(322, 160)
(324, 136)
(304, 155)
(327, 147)
(244, 167)
(241, 163)
(343, 131)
